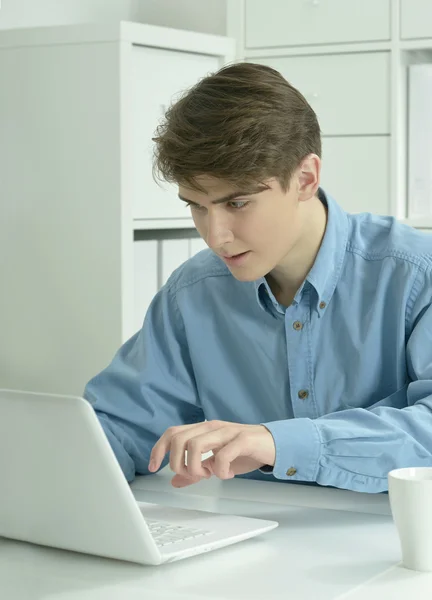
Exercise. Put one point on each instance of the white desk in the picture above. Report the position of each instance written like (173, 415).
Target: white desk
(330, 545)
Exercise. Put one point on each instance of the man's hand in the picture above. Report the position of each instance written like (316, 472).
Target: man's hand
(237, 449)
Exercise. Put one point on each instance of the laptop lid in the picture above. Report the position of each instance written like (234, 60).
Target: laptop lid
(61, 483)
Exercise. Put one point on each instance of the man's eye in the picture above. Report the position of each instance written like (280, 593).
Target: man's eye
(235, 205)
(193, 206)
(238, 205)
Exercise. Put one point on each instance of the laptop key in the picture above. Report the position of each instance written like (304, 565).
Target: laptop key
(165, 534)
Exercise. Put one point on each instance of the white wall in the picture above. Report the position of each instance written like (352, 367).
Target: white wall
(207, 16)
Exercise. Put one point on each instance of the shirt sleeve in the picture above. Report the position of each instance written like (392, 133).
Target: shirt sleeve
(148, 387)
(356, 448)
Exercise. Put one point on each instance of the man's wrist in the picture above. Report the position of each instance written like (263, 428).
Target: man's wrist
(298, 449)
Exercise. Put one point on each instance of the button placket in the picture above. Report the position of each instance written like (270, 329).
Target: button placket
(298, 350)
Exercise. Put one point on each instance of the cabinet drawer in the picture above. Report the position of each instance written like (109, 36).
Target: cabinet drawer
(349, 92)
(158, 77)
(309, 22)
(355, 171)
(416, 19)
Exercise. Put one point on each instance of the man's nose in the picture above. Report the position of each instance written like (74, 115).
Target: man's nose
(218, 231)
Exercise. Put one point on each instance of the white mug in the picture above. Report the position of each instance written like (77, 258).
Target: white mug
(410, 494)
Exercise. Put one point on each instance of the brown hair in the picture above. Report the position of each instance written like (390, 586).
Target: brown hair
(243, 124)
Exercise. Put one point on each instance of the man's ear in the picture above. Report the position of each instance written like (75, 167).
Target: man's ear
(309, 172)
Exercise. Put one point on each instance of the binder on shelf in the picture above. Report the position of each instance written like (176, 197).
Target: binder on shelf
(196, 245)
(145, 277)
(420, 141)
(174, 253)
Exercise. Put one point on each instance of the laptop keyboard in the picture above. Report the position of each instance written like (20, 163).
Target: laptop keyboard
(165, 534)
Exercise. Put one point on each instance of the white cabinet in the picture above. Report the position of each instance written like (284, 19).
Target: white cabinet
(355, 171)
(349, 92)
(351, 95)
(416, 19)
(174, 253)
(419, 142)
(154, 262)
(146, 278)
(76, 112)
(309, 22)
(158, 76)
(350, 60)
(196, 245)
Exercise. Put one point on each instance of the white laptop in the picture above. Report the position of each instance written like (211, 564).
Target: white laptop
(61, 486)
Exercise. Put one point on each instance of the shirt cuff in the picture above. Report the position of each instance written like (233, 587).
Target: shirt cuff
(298, 449)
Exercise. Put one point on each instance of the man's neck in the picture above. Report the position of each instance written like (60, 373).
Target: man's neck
(286, 279)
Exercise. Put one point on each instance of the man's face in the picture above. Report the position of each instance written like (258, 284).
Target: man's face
(261, 227)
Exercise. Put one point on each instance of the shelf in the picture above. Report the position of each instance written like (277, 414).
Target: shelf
(421, 44)
(134, 33)
(318, 49)
(419, 223)
(140, 224)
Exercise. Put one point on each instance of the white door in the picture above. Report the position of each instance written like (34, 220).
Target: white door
(309, 22)
(416, 19)
(338, 88)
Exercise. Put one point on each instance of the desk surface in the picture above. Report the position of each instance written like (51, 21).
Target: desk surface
(330, 545)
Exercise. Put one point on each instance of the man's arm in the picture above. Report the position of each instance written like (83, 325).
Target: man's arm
(356, 448)
(148, 387)
(352, 449)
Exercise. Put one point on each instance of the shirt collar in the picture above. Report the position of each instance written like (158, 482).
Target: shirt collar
(326, 269)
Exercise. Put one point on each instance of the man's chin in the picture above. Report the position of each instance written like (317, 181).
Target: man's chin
(246, 274)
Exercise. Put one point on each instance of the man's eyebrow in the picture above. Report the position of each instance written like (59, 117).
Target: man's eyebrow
(231, 196)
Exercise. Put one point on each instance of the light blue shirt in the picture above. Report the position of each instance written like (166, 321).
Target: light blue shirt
(342, 378)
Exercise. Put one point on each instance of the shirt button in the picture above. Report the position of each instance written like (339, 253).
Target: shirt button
(303, 394)
(322, 304)
(291, 471)
(297, 325)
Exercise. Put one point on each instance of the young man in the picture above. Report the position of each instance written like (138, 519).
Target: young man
(299, 346)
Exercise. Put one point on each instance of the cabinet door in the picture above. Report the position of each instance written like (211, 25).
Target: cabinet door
(308, 22)
(174, 253)
(355, 171)
(158, 77)
(145, 277)
(196, 245)
(419, 142)
(416, 19)
(349, 92)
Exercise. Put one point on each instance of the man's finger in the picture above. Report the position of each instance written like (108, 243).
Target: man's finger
(187, 440)
(162, 446)
(237, 447)
(180, 481)
(203, 443)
